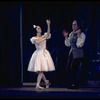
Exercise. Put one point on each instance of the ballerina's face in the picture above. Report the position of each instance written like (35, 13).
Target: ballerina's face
(38, 29)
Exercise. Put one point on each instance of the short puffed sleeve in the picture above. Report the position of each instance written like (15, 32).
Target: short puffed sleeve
(49, 36)
(33, 40)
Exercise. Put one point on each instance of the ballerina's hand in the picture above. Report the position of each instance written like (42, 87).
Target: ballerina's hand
(48, 21)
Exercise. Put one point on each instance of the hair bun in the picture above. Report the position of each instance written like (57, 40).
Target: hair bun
(34, 26)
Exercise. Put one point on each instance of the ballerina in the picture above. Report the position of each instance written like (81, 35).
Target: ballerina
(41, 60)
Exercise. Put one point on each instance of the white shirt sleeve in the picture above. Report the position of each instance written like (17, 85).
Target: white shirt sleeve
(48, 37)
(81, 40)
(33, 40)
(67, 42)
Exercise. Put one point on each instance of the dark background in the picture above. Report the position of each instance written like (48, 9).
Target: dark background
(15, 33)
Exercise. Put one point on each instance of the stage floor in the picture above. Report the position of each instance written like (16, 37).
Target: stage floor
(52, 92)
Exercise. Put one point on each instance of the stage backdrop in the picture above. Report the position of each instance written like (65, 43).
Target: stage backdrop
(10, 67)
(16, 27)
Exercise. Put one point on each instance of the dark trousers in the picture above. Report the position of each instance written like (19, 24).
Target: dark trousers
(72, 69)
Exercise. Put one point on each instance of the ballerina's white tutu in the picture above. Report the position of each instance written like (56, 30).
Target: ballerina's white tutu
(41, 59)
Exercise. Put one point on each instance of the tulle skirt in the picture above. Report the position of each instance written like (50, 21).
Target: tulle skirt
(41, 61)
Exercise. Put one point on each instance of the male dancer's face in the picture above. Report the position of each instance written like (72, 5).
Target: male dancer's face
(74, 26)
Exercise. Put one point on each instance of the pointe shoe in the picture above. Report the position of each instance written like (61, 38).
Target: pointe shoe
(47, 83)
(39, 87)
